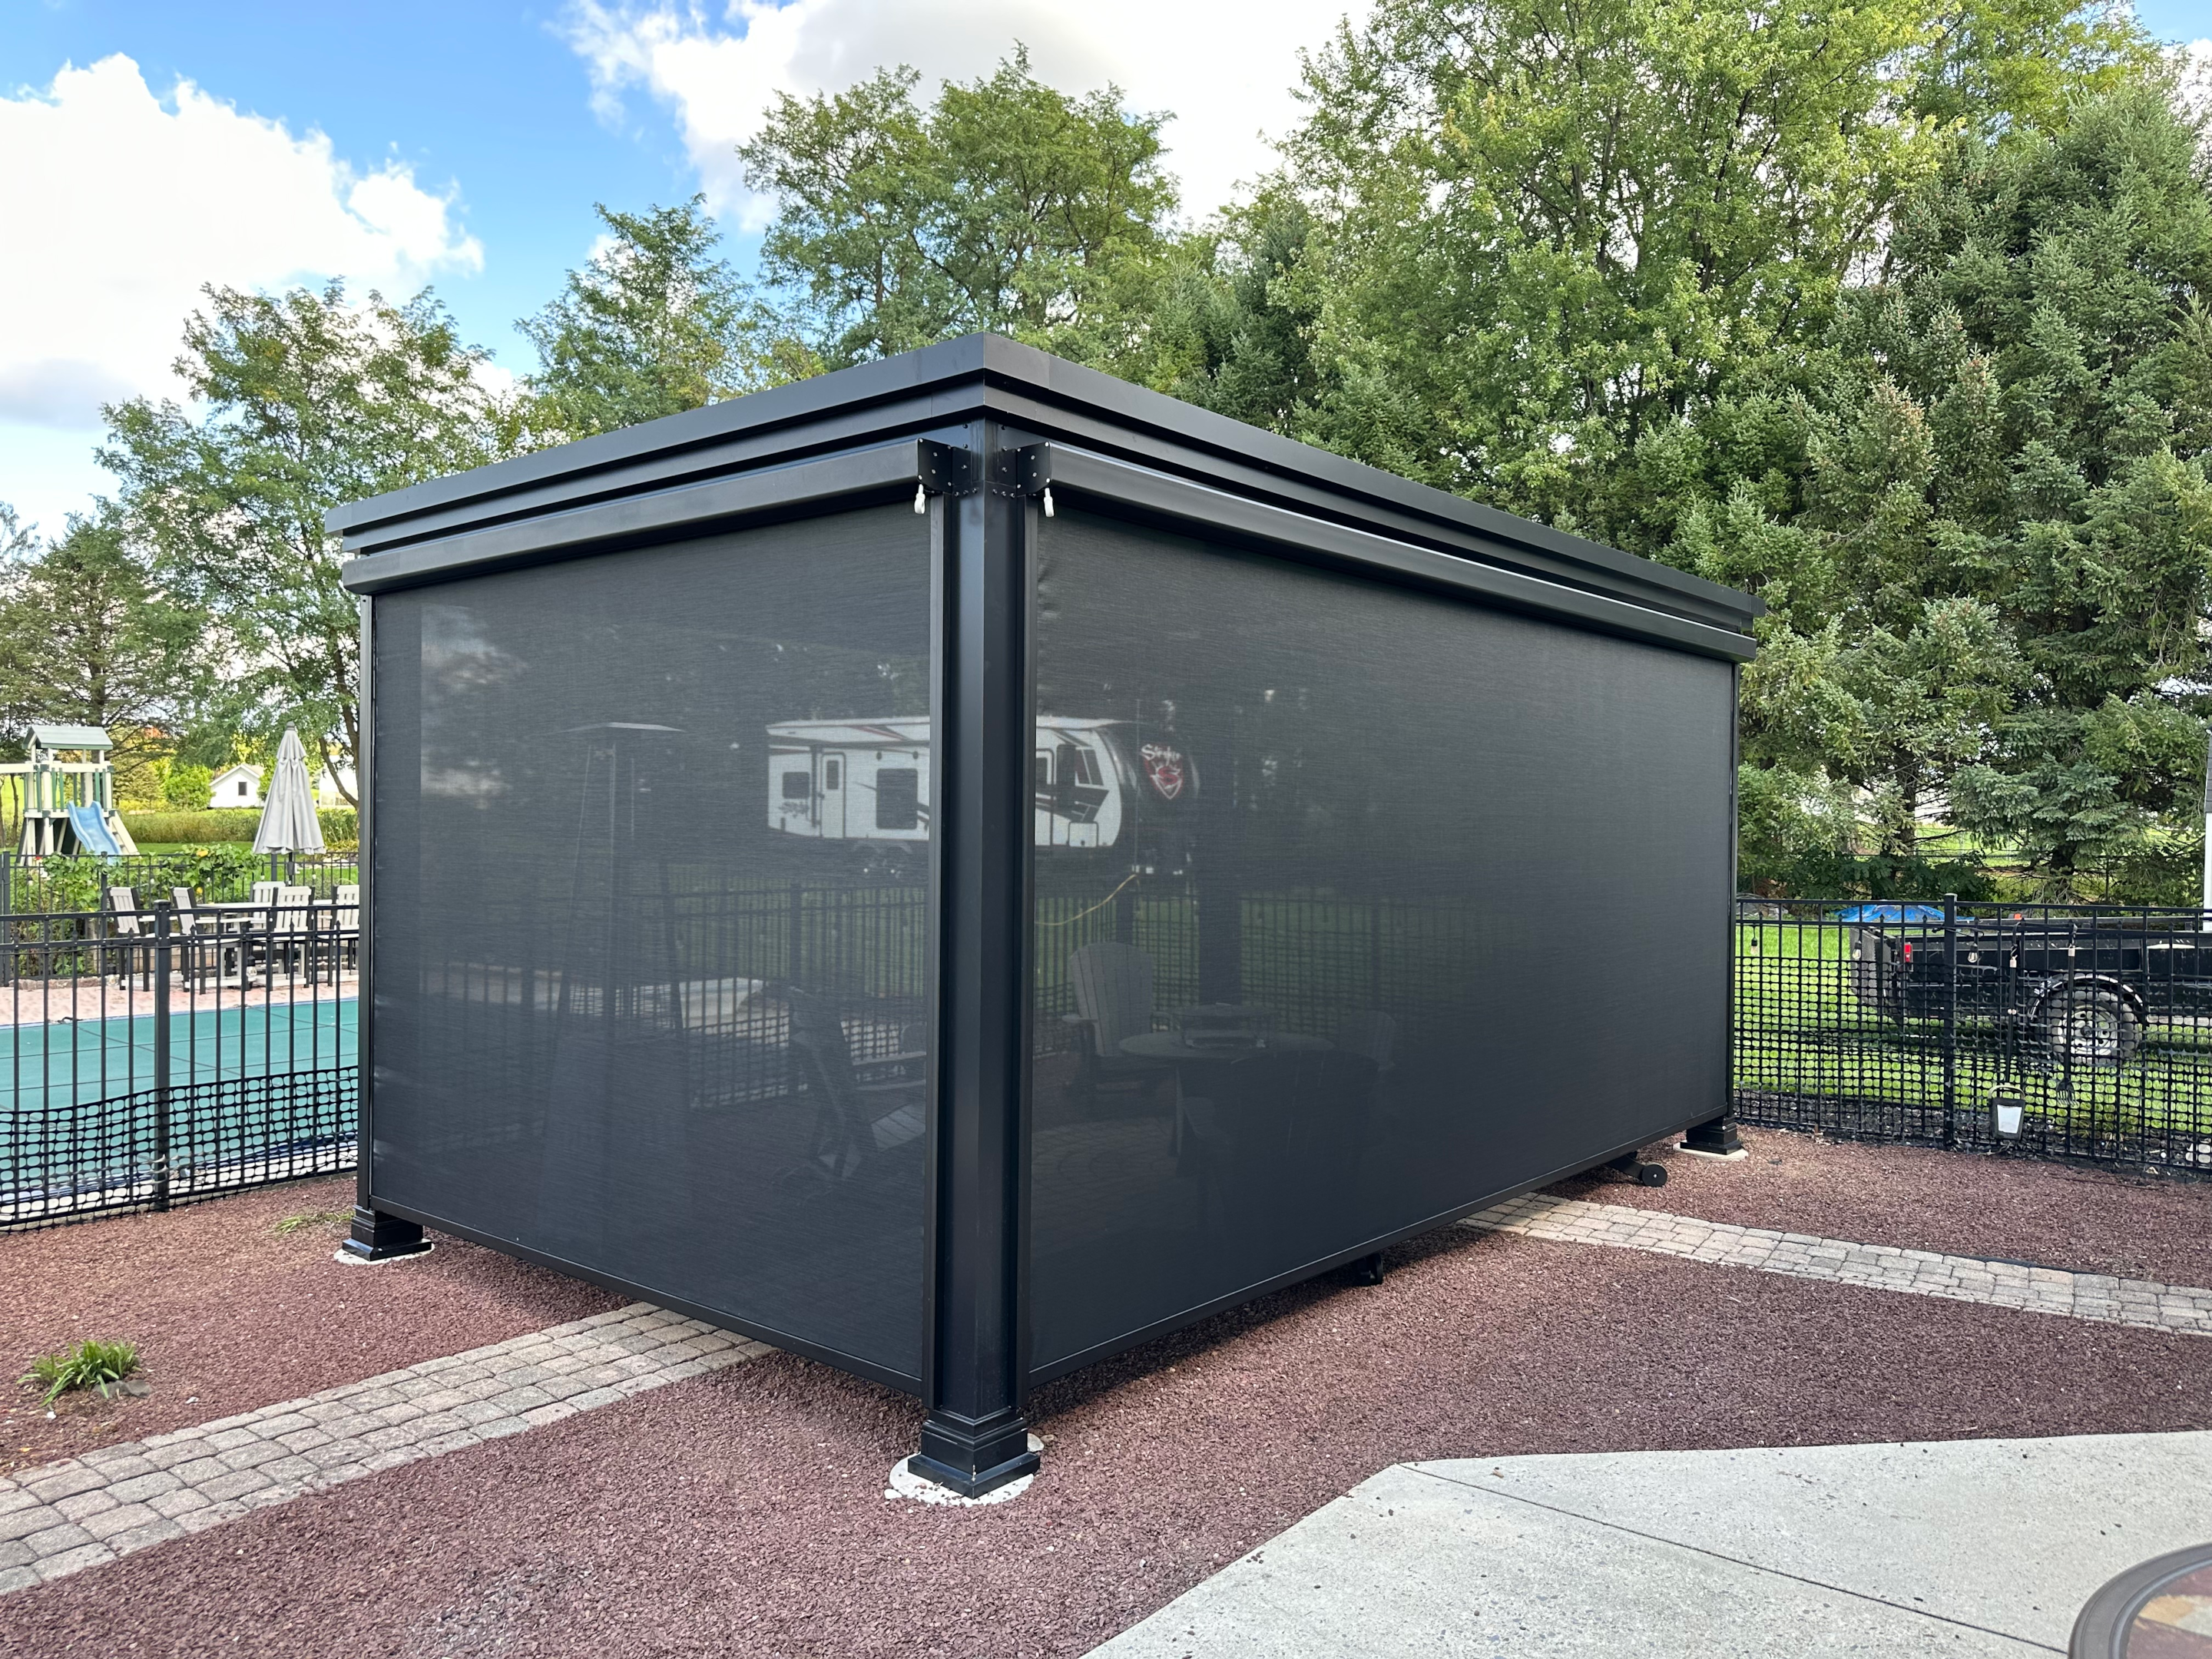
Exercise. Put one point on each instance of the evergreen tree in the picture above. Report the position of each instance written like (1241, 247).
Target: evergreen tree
(2017, 419)
(88, 638)
(2053, 314)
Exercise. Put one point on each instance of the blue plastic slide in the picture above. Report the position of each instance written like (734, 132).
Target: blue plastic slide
(92, 835)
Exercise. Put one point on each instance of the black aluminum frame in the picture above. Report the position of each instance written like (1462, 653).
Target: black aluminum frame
(989, 432)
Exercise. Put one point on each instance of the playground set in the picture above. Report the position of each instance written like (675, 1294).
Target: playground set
(68, 794)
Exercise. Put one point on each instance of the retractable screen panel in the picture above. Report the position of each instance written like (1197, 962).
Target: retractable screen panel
(1355, 905)
(651, 842)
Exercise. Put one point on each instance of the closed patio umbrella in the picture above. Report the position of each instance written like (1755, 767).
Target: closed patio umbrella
(289, 824)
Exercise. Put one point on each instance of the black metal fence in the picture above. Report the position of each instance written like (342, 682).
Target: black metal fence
(1308, 955)
(2078, 1031)
(150, 1054)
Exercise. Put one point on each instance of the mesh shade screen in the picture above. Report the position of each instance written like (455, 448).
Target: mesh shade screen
(1355, 905)
(651, 835)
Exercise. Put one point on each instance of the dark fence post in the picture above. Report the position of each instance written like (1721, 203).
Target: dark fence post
(6, 919)
(1950, 1019)
(163, 949)
(794, 946)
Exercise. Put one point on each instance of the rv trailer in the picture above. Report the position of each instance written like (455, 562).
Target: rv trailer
(868, 780)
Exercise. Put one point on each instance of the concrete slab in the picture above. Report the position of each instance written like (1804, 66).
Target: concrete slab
(1958, 1548)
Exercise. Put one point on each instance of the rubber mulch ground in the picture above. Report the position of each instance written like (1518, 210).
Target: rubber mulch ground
(742, 1513)
(1918, 1198)
(230, 1313)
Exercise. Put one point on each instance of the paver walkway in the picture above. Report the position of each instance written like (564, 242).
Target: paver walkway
(2100, 1296)
(69, 1515)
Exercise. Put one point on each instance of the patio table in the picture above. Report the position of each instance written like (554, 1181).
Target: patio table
(1170, 1046)
(233, 917)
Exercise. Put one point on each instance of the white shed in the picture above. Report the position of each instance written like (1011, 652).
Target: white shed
(236, 786)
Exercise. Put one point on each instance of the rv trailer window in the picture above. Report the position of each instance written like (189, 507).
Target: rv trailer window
(1086, 768)
(797, 786)
(898, 797)
(1043, 770)
(830, 771)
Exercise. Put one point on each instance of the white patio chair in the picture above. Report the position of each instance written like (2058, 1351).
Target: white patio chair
(292, 933)
(126, 926)
(1113, 986)
(199, 951)
(346, 919)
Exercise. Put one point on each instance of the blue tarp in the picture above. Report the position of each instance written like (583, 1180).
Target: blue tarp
(1889, 913)
(76, 1097)
(92, 834)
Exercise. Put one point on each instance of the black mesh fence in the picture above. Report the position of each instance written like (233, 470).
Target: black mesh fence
(2063, 1031)
(150, 1055)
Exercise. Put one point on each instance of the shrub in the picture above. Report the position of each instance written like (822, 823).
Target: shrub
(340, 826)
(95, 1365)
(200, 829)
(185, 789)
(225, 870)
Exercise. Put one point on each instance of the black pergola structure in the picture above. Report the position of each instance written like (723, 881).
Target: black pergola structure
(962, 866)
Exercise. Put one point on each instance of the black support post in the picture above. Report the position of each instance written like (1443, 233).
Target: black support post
(375, 1237)
(976, 1381)
(1716, 1136)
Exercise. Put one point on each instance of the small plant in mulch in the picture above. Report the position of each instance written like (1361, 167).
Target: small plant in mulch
(306, 1218)
(100, 1366)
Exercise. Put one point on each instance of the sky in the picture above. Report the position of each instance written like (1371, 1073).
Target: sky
(148, 148)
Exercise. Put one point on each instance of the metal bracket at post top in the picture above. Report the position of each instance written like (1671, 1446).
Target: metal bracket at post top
(945, 469)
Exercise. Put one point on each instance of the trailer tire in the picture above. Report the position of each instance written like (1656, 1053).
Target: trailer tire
(2088, 1026)
(1651, 1174)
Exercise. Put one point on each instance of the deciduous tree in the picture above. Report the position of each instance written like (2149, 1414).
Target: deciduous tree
(1004, 204)
(299, 401)
(654, 324)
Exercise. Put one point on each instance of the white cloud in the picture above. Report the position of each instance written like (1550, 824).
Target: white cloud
(1226, 68)
(119, 204)
(2197, 76)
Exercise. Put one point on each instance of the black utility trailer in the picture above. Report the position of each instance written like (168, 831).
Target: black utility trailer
(2069, 989)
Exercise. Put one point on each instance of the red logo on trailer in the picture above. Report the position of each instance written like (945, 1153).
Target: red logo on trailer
(1163, 767)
